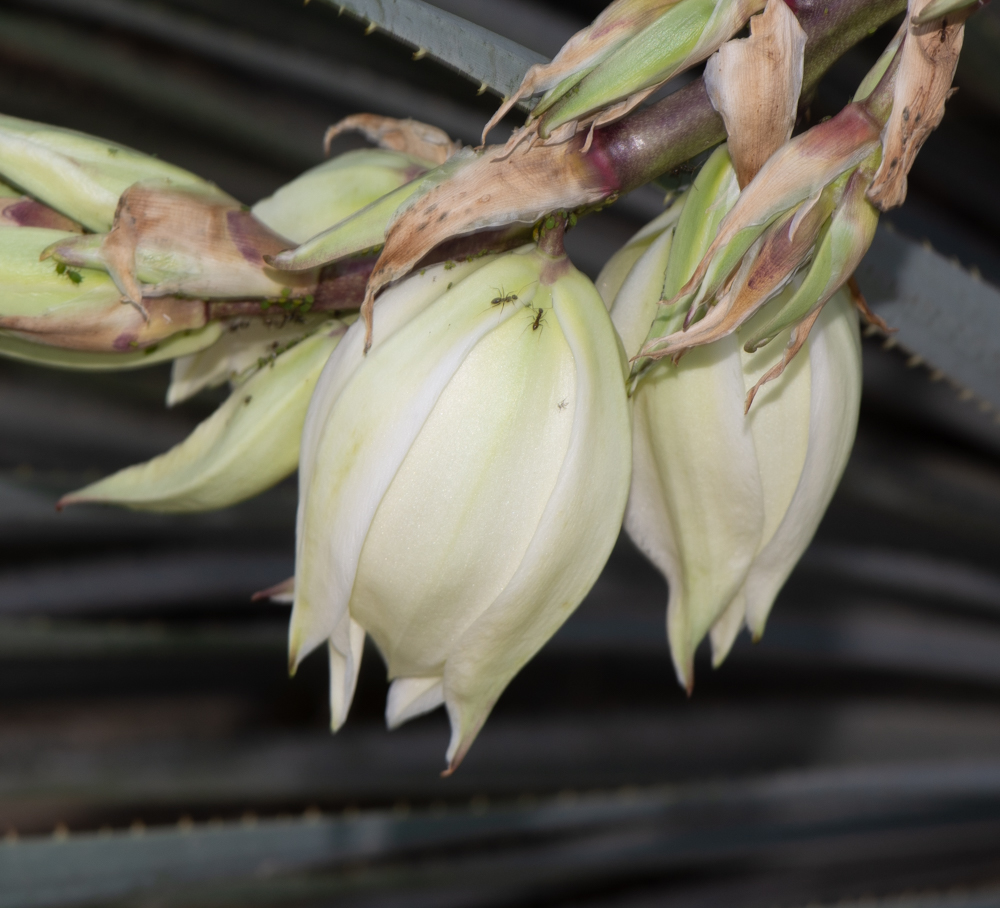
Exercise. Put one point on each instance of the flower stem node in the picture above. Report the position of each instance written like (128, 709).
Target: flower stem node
(461, 486)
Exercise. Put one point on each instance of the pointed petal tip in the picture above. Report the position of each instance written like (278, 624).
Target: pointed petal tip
(294, 657)
(455, 761)
(280, 592)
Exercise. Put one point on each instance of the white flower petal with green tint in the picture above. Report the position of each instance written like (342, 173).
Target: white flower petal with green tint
(250, 443)
(697, 507)
(334, 190)
(245, 345)
(79, 175)
(834, 351)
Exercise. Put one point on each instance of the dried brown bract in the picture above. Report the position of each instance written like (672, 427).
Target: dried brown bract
(754, 83)
(491, 191)
(406, 136)
(926, 69)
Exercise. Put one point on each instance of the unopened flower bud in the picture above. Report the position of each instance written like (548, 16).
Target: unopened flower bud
(245, 344)
(366, 228)
(168, 241)
(334, 190)
(462, 484)
(614, 76)
(721, 502)
(78, 175)
(250, 443)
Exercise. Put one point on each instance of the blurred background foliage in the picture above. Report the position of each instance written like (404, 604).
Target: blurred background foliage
(153, 750)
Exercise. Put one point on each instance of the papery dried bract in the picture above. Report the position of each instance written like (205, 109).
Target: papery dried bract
(843, 245)
(937, 9)
(618, 22)
(927, 65)
(493, 190)
(167, 241)
(432, 146)
(767, 268)
(681, 36)
(796, 173)
(754, 83)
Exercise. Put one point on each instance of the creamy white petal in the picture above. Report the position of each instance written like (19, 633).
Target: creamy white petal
(834, 350)
(412, 697)
(345, 663)
(727, 628)
(247, 445)
(577, 530)
(237, 353)
(609, 281)
(696, 506)
(464, 504)
(638, 301)
(364, 417)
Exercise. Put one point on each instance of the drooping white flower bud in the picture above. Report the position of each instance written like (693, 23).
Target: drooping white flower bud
(335, 190)
(462, 484)
(723, 502)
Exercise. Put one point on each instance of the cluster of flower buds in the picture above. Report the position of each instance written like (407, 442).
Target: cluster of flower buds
(464, 471)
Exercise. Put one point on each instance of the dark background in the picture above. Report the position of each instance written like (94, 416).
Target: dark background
(153, 750)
